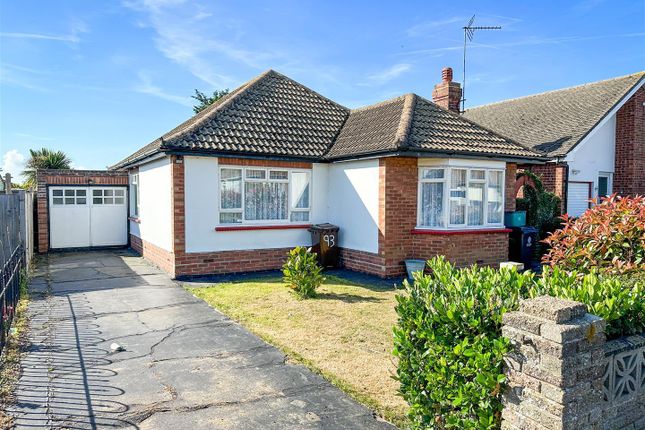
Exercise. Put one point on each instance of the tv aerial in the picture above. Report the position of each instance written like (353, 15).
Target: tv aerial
(469, 34)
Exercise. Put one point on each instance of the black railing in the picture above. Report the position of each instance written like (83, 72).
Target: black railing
(10, 292)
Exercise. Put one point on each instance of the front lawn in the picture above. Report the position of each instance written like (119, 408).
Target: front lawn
(345, 333)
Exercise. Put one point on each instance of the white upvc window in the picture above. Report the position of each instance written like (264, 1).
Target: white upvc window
(460, 197)
(258, 195)
(134, 195)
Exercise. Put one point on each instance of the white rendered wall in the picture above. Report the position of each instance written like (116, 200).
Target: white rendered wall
(202, 197)
(353, 203)
(595, 155)
(155, 185)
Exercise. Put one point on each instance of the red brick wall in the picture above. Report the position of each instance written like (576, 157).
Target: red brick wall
(553, 176)
(463, 249)
(398, 218)
(397, 211)
(629, 178)
(263, 163)
(67, 177)
(199, 263)
(361, 261)
(161, 258)
(509, 192)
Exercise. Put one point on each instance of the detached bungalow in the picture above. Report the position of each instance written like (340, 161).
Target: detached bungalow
(235, 187)
(593, 133)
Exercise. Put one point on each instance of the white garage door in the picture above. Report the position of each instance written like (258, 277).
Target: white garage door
(88, 216)
(577, 198)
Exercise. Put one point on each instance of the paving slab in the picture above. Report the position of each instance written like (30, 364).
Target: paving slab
(184, 364)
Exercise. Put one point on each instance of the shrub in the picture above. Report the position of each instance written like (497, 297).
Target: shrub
(610, 236)
(449, 344)
(621, 305)
(542, 209)
(448, 337)
(302, 272)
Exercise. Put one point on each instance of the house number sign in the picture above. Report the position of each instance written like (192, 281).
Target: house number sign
(330, 240)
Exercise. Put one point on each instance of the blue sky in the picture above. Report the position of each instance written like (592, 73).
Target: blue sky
(100, 79)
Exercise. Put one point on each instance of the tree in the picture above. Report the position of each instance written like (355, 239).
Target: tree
(44, 159)
(205, 101)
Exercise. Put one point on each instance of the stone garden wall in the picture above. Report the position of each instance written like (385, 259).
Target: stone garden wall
(563, 374)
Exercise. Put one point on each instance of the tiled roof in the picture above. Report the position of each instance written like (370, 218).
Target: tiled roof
(273, 115)
(270, 115)
(412, 123)
(556, 121)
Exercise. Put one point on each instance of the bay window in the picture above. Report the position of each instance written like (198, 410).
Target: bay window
(261, 195)
(454, 197)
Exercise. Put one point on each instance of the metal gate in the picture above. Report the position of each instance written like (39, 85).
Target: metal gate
(81, 217)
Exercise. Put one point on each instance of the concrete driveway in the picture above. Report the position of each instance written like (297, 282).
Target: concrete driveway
(185, 365)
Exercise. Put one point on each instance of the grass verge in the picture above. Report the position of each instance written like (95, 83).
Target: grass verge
(344, 334)
(10, 359)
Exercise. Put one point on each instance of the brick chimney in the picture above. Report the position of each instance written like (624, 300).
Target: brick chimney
(447, 93)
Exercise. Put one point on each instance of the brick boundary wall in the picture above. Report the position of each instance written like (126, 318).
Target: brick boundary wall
(47, 177)
(629, 176)
(563, 375)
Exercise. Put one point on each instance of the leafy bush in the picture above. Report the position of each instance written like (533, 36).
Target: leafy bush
(302, 272)
(622, 306)
(542, 209)
(448, 337)
(610, 236)
(449, 344)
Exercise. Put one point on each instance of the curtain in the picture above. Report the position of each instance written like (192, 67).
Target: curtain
(266, 200)
(432, 204)
(495, 195)
(458, 197)
(231, 189)
(476, 203)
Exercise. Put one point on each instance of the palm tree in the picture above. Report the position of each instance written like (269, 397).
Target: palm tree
(44, 159)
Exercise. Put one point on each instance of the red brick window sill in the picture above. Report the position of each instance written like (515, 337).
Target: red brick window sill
(260, 227)
(135, 219)
(457, 232)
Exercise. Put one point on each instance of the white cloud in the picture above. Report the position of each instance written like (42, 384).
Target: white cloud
(388, 74)
(186, 36)
(424, 28)
(62, 38)
(13, 162)
(145, 86)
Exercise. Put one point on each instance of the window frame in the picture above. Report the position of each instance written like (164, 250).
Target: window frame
(134, 198)
(267, 178)
(446, 180)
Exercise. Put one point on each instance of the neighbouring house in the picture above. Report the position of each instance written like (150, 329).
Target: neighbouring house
(594, 135)
(236, 186)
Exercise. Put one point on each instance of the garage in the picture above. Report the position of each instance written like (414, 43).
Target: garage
(88, 216)
(578, 197)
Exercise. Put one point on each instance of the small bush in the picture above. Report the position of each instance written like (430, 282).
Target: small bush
(302, 272)
(610, 237)
(609, 297)
(449, 344)
(448, 337)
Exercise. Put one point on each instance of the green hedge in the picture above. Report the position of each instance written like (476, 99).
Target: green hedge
(448, 338)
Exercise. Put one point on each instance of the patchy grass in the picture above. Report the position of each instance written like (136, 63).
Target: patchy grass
(10, 359)
(345, 333)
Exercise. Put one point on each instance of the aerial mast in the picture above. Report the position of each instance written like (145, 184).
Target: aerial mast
(469, 33)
